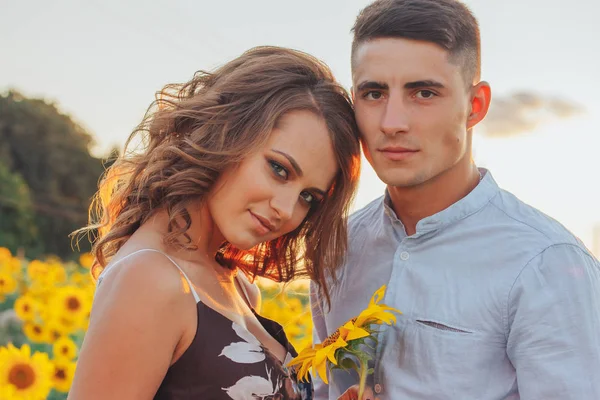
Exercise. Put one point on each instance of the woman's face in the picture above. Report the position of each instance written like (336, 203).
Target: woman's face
(270, 193)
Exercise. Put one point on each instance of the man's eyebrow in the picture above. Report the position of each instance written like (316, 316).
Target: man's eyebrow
(370, 85)
(423, 84)
(374, 85)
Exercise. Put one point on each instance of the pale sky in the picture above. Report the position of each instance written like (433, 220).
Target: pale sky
(102, 62)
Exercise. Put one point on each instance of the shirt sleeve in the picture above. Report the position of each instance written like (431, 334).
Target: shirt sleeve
(554, 325)
(319, 334)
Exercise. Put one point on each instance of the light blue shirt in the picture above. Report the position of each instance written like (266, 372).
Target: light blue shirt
(499, 301)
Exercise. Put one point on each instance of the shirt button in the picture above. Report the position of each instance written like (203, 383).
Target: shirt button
(378, 388)
(404, 256)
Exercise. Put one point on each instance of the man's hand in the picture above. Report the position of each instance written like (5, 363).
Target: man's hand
(352, 394)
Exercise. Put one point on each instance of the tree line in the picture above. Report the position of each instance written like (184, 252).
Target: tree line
(47, 177)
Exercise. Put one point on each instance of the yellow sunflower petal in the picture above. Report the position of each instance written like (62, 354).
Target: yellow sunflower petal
(388, 316)
(321, 355)
(331, 357)
(357, 333)
(348, 325)
(304, 355)
(374, 313)
(25, 350)
(378, 295)
(322, 371)
(303, 371)
(363, 316)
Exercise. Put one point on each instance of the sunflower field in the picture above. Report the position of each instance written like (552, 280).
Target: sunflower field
(44, 313)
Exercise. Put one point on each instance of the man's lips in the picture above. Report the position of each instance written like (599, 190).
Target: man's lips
(397, 153)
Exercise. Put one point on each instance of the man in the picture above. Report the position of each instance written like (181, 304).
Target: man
(499, 301)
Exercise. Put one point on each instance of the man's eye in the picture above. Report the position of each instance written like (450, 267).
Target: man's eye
(373, 95)
(278, 169)
(425, 94)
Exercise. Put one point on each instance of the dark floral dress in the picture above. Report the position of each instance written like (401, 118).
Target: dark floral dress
(225, 361)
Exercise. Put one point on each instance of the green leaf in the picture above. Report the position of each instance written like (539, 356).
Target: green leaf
(347, 363)
(56, 395)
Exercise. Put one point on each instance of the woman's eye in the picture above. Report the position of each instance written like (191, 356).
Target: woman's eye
(279, 170)
(308, 197)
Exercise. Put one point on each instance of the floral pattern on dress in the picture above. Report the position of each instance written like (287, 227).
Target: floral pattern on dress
(278, 383)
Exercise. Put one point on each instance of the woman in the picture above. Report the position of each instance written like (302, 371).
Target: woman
(244, 172)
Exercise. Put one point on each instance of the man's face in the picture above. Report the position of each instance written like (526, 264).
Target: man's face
(412, 106)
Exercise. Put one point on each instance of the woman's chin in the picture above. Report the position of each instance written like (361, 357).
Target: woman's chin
(244, 245)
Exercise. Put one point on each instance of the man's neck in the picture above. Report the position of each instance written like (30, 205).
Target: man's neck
(412, 204)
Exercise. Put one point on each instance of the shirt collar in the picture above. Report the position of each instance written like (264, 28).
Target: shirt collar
(485, 190)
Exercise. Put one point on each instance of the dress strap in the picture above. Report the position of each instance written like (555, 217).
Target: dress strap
(111, 266)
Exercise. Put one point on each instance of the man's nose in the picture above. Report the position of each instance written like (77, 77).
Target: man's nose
(395, 116)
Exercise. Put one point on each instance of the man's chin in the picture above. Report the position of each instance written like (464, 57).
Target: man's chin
(401, 179)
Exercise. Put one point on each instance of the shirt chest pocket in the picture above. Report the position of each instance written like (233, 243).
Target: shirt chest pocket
(450, 356)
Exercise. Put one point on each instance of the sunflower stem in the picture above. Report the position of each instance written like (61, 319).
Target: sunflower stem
(364, 371)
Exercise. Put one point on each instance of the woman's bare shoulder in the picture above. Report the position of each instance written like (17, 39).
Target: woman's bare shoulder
(148, 275)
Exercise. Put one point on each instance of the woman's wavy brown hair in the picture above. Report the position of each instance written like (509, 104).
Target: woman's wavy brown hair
(195, 131)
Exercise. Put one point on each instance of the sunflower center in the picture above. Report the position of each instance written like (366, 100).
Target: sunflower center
(335, 335)
(26, 308)
(22, 376)
(2, 282)
(60, 374)
(65, 350)
(331, 339)
(37, 329)
(73, 304)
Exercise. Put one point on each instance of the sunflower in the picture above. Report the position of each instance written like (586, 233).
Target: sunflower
(62, 378)
(37, 270)
(82, 280)
(36, 333)
(71, 303)
(45, 277)
(10, 264)
(24, 376)
(64, 348)
(346, 340)
(26, 307)
(8, 284)
(375, 313)
(56, 329)
(86, 260)
(5, 254)
(316, 357)
(41, 290)
(57, 273)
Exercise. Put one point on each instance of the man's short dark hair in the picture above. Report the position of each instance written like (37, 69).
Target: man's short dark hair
(447, 23)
